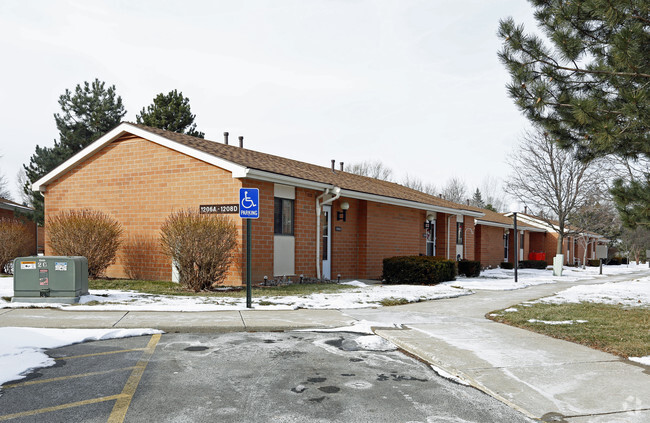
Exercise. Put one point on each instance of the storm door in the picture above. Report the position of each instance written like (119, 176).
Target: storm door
(327, 242)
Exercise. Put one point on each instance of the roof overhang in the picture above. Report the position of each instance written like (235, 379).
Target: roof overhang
(303, 183)
(508, 226)
(126, 128)
(14, 207)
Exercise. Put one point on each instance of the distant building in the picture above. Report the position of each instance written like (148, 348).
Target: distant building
(12, 210)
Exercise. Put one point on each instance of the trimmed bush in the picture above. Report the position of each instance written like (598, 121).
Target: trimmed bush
(15, 241)
(593, 263)
(613, 262)
(532, 264)
(624, 260)
(471, 269)
(88, 233)
(418, 270)
(201, 247)
(506, 265)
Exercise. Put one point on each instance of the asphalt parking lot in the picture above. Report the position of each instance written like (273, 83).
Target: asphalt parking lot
(243, 377)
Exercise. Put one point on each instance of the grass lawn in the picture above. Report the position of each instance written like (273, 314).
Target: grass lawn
(171, 288)
(610, 328)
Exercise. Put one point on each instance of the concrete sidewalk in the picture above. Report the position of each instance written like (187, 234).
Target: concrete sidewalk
(542, 377)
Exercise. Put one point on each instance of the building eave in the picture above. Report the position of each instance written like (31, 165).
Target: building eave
(126, 128)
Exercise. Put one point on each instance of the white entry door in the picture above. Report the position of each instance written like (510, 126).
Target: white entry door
(327, 242)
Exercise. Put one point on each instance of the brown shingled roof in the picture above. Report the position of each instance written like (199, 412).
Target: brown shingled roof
(307, 171)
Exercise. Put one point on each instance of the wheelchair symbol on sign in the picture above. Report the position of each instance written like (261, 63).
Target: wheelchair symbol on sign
(246, 202)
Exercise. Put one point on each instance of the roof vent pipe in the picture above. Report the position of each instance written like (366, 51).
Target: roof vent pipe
(333, 164)
(225, 138)
(241, 141)
(341, 166)
(525, 209)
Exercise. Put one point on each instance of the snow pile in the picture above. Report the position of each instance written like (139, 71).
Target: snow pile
(22, 348)
(634, 293)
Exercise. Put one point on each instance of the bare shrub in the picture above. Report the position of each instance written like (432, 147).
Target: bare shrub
(89, 233)
(15, 241)
(201, 247)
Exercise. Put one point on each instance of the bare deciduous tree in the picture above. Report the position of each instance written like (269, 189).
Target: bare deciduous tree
(493, 194)
(595, 217)
(21, 183)
(373, 169)
(418, 184)
(551, 180)
(4, 189)
(635, 241)
(455, 190)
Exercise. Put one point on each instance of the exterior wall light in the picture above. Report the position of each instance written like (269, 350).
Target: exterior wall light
(341, 215)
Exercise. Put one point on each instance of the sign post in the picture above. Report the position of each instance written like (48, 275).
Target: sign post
(249, 209)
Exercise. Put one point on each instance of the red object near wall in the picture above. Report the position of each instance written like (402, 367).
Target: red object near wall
(533, 255)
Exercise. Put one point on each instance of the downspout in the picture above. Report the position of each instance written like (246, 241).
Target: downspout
(337, 194)
(448, 234)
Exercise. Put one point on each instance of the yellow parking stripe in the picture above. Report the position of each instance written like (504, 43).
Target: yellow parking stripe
(96, 354)
(122, 404)
(57, 379)
(59, 407)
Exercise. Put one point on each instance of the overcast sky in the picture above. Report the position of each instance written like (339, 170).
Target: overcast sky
(415, 84)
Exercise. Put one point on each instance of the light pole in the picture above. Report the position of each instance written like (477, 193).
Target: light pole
(516, 236)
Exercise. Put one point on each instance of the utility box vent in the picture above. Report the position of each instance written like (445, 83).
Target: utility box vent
(55, 279)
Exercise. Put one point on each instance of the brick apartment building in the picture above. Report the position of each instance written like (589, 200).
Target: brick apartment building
(139, 175)
(12, 210)
(573, 247)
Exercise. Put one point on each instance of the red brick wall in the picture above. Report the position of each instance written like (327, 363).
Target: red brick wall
(489, 245)
(140, 183)
(390, 231)
(345, 243)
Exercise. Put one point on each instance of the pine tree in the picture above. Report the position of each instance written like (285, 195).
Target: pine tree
(590, 88)
(170, 112)
(477, 199)
(87, 114)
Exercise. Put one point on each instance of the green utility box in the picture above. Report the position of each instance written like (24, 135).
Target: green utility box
(55, 279)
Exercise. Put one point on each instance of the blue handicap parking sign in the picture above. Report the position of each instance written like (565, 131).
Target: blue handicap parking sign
(249, 204)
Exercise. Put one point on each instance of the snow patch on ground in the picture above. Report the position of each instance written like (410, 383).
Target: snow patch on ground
(635, 293)
(362, 296)
(503, 279)
(557, 322)
(643, 360)
(448, 375)
(361, 326)
(23, 348)
(374, 343)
